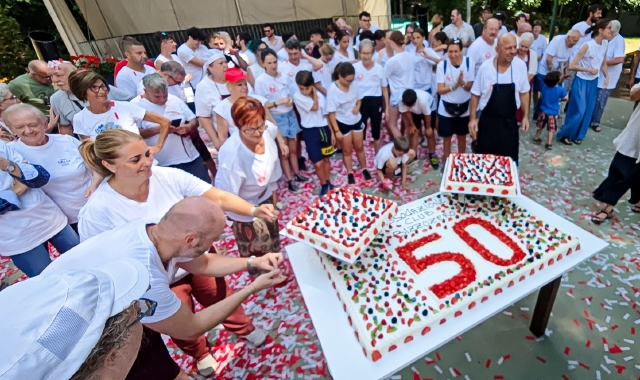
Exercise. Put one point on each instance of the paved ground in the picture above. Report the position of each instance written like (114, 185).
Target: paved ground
(591, 334)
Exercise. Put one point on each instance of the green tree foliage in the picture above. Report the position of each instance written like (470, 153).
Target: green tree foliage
(14, 53)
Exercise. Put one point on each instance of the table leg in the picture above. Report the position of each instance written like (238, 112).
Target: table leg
(544, 304)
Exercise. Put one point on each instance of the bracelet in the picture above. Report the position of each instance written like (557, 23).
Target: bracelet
(252, 271)
(253, 211)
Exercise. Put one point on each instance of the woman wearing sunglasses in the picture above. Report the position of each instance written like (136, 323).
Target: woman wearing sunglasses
(102, 114)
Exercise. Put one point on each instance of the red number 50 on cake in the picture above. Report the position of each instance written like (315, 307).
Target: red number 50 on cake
(343, 223)
(481, 174)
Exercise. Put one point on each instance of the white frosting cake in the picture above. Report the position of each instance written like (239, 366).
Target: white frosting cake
(481, 174)
(442, 256)
(343, 222)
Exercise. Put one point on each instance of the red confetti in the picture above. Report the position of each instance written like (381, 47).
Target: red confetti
(584, 365)
(498, 377)
(576, 322)
(488, 363)
(588, 343)
(615, 349)
(541, 359)
(438, 355)
(564, 377)
(566, 350)
(620, 368)
(530, 337)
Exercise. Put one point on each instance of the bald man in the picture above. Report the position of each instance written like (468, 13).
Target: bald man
(523, 28)
(177, 241)
(501, 86)
(34, 87)
(64, 103)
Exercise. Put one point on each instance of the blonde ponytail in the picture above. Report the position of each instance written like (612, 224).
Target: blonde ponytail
(105, 148)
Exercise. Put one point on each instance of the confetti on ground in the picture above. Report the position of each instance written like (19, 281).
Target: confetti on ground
(599, 300)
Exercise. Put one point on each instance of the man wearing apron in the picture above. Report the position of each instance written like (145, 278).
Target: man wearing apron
(500, 87)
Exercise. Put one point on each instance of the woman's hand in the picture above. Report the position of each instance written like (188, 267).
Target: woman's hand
(355, 110)
(19, 188)
(333, 139)
(266, 212)
(593, 70)
(53, 120)
(267, 280)
(268, 262)
(182, 130)
(460, 82)
(284, 150)
(338, 137)
(473, 128)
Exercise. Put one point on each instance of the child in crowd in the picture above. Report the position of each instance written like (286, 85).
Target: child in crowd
(317, 137)
(550, 97)
(392, 160)
(343, 106)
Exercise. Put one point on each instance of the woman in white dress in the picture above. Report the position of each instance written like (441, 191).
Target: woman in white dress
(256, 69)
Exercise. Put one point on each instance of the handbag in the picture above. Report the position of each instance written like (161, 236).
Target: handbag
(456, 109)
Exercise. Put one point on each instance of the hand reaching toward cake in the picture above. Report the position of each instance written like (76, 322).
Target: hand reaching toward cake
(267, 280)
(267, 212)
(268, 262)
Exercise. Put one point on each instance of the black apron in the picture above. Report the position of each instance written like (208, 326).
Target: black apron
(498, 128)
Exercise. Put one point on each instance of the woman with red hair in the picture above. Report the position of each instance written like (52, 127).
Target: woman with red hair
(249, 166)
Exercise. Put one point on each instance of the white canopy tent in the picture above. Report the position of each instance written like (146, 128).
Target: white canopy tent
(114, 18)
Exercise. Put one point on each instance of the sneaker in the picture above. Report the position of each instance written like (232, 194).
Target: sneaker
(293, 188)
(331, 186)
(302, 164)
(207, 366)
(324, 190)
(257, 337)
(434, 162)
(351, 179)
(301, 178)
(366, 175)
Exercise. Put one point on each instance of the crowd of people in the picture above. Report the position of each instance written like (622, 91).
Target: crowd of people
(121, 173)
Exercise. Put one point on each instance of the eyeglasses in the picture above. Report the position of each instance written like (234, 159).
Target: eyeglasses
(147, 309)
(252, 131)
(12, 98)
(365, 20)
(96, 89)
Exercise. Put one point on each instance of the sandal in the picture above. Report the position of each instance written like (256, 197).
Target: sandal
(566, 141)
(548, 146)
(635, 208)
(598, 220)
(596, 128)
(577, 142)
(537, 141)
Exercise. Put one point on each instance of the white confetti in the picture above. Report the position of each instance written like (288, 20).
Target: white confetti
(598, 375)
(438, 369)
(453, 373)
(626, 359)
(601, 329)
(607, 319)
(609, 361)
(466, 354)
(605, 368)
(630, 341)
(626, 316)
(500, 360)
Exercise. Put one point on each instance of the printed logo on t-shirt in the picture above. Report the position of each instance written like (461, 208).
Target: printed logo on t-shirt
(592, 57)
(291, 74)
(487, 56)
(261, 178)
(273, 88)
(448, 78)
(109, 125)
(360, 77)
(64, 162)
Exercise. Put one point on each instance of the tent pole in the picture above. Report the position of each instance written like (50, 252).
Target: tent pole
(468, 11)
(389, 13)
(553, 20)
(239, 13)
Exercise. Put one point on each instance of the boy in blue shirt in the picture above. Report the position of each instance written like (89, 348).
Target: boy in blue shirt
(550, 97)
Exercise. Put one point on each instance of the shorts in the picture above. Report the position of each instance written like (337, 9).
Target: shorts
(636, 81)
(538, 79)
(450, 126)
(546, 120)
(153, 360)
(346, 129)
(287, 123)
(397, 172)
(316, 139)
(371, 109)
(418, 119)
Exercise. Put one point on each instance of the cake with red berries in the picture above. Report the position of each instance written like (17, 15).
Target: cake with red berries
(442, 256)
(482, 174)
(343, 222)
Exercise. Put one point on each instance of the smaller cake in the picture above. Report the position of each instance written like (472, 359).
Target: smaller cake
(482, 174)
(343, 223)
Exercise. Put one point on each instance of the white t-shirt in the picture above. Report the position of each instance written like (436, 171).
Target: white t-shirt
(593, 58)
(351, 55)
(385, 154)
(323, 75)
(560, 52)
(399, 72)
(423, 69)
(38, 218)
(108, 209)
(450, 78)
(343, 103)
(411, 48)
(486, 77)
(291, 70)
(175, 90)
(616, 49)
(423, 106)
(128, 241)
(186, 54)
(223, 109)
(373, 29)
(274, 89)
(164, 59)
(121, 115)
(276, 45)
(177, 149)
(128, 79)
(283, 56)
(381, 57)
(248, 57)
(370, 82)
(69, 177)
(208, 95)
(256, 70)
(533, 64)
(253, 177)
(480, 51)
(539, 45)
(308, 118)
(582, 27)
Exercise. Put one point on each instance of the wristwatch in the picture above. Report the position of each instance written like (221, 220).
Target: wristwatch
(11, 167)
(253, 272)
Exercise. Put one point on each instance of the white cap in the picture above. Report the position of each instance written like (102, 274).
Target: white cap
(52, 322)
(215, 55)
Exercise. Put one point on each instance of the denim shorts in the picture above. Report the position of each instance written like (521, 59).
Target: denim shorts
(287, 123)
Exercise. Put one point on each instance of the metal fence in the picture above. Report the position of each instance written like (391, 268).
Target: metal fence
(111, 47)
